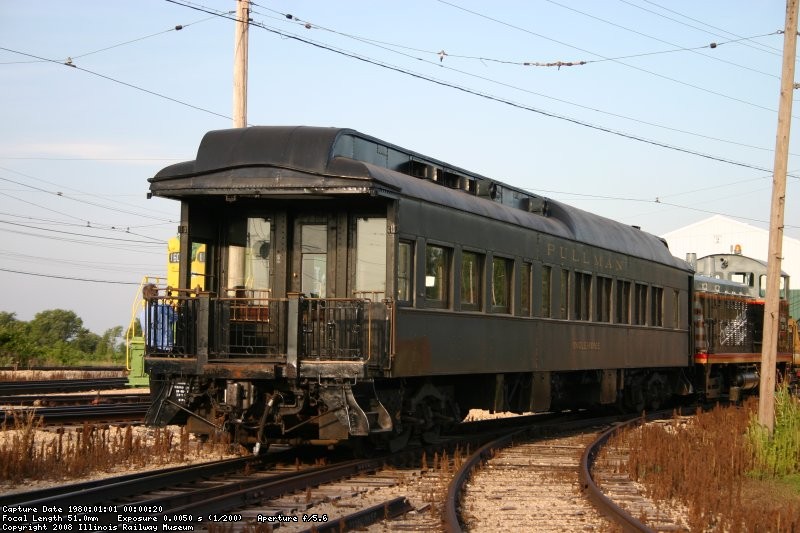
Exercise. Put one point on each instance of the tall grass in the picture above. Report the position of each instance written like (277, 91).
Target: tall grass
(777, 456)
(722, 466)
(27, 453)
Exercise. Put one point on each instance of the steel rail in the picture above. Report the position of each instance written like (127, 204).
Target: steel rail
(80, 413)
(365, 518)
(52, 400)
(603, 503)
(60, 385)
(450, 519)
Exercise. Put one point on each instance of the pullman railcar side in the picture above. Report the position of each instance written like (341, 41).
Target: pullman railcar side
(354, 288)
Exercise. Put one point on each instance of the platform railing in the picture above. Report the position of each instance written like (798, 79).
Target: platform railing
(249, 326)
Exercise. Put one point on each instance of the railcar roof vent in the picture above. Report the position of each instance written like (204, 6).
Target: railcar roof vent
(536, 205)
(419, 169)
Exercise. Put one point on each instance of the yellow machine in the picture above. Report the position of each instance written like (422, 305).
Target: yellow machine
(198, 264)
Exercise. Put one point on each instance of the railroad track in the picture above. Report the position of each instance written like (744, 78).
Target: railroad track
(53, 400)
(114, 412)
(50, 386)
(88, 368)
(353, 492)
(525, 483)
(522, 487)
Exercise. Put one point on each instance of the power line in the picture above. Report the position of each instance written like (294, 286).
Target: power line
(69, 278)
(140, 249)
(694, 51)
(442, 54)
(177, 27)
(62, 195)
(687, 84)
(115, 239)
(761, 47)
(383, 46)
(481, 94)
(126, 84)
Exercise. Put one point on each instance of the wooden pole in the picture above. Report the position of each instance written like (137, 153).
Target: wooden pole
(240, 64)
(236, 255)
(766, 401)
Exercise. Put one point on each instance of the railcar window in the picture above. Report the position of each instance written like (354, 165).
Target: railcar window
(437, 274)
(564, 293)
(657, 306)
(371, 257)
(603, 299)
(583, 287)
(676, 308)
(314, 259)
(258, 256)
(640, 304)
(404, 271)
(501, 285)
(471, 280)
(547, 279)
(525, 289)
(623, 302)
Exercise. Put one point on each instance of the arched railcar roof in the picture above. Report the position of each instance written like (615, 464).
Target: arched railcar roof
(306, 160)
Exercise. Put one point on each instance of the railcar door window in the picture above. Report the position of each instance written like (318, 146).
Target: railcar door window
(405, 271)
(314, 259)
(437, 274)
(471, 281)
(371, 257)
(258, 257)
(249, 257)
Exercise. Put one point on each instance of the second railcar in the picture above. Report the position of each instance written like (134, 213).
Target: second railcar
(355, 288)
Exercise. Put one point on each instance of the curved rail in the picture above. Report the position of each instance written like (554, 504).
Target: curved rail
(593, 492)
(450, 515)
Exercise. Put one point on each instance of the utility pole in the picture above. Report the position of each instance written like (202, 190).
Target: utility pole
(766, 401)
(236, 254)
(240, 64)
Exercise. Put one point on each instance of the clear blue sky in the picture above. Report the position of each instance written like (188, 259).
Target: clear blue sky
(77, 144)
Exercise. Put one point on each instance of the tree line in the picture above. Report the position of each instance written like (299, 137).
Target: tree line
(57, 337)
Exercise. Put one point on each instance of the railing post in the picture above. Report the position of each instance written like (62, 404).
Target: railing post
(292, 333)
(203, 313)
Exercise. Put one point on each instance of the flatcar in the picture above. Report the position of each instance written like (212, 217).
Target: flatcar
(356, 290)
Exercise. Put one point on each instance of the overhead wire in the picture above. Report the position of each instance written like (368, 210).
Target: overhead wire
(662, 76)
(53, 276)
(120, 82)
(382, 45)
(467, 90)
(637, 32)
(177, 27)
(756, 46)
